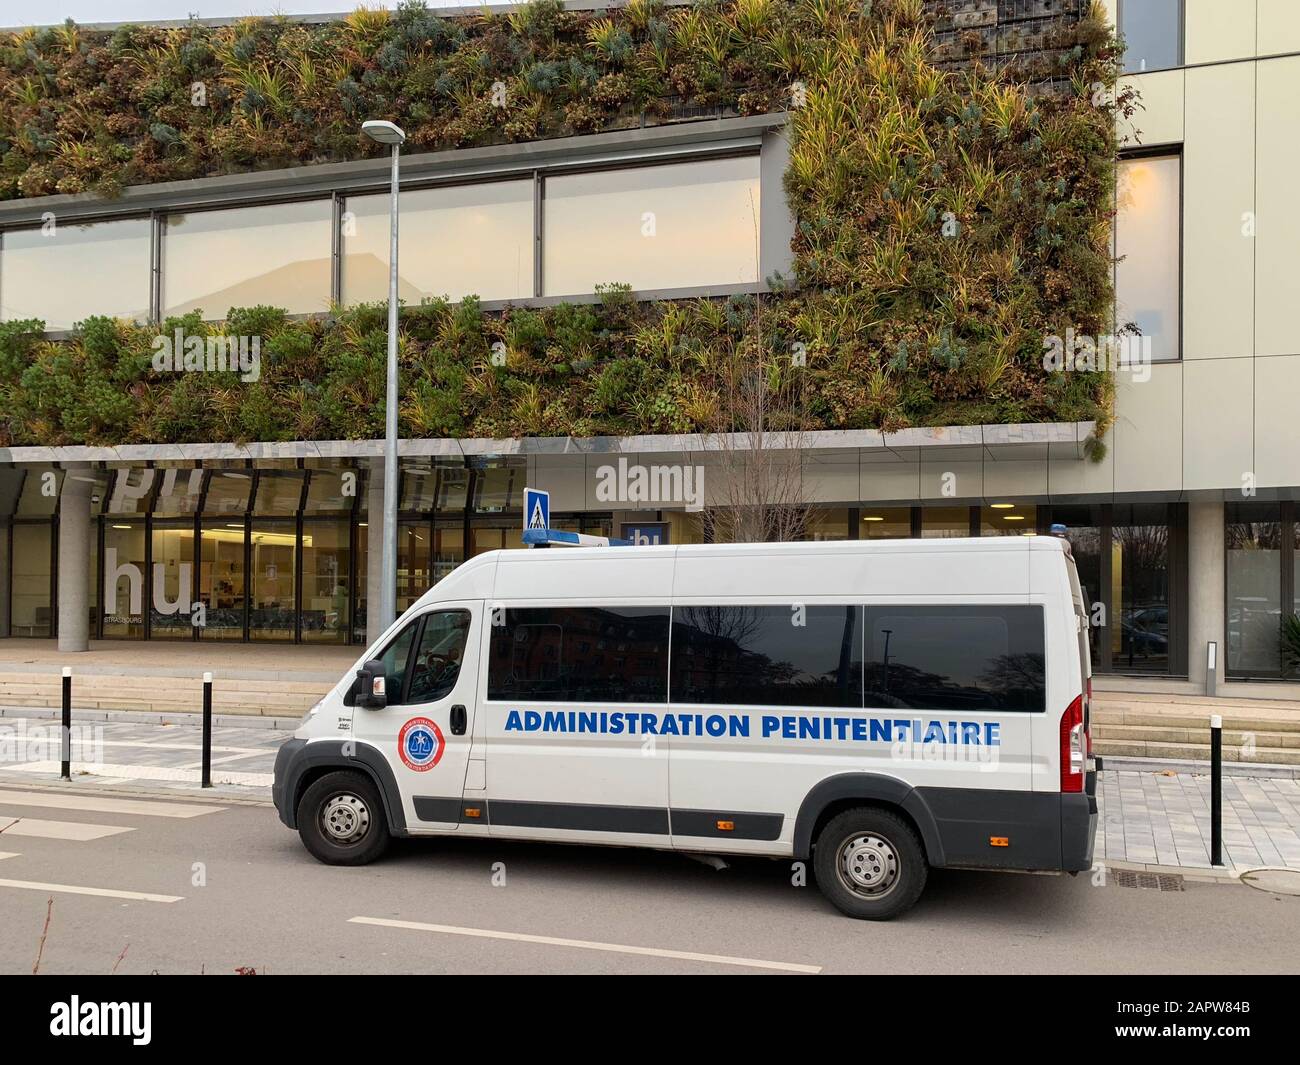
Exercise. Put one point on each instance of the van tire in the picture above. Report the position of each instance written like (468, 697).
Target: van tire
(341, 819)
(869, 863)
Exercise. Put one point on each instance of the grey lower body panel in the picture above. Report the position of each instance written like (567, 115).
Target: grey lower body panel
(1043, 830)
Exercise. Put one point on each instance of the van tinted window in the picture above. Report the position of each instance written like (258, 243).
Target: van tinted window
(580, 654)
(767, 655)
(955, 657)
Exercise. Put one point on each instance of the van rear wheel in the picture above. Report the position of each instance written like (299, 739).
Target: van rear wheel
(341, 819)
(869, 864)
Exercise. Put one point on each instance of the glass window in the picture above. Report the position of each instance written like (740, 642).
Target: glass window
(945, 521)
(173, 583)
(278, 255)
(437, 662)
(1253, 538)
(222, 588)
(414, 549)
(467, 240)
(1140, 575)
(767, 655)
(179, 491)
(885, 523)
(11, 483)
(228, 492)
(124, 577)
(363, 582)
(1008, 519)
(326, 573)
(40, 493)
(826, 524)
(396, 657)
(1083, 530)
(63, 274)
(31, 611)
(1153, 34)
(332, 491)
(580, 654)
(279, 492)
(1148, 243)
(274, 552)
(132, 490)
(669, 226)
(498, 488)
(956, 658)
(448, 550)
(426, 488)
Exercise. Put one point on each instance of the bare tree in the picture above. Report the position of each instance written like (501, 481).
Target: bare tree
(760, 437)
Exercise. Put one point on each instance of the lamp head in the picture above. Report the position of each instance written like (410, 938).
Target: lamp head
(382, 131)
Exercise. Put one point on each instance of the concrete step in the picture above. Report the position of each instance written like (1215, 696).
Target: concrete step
(1200, 752)
(1162, 734)
(1244, 719)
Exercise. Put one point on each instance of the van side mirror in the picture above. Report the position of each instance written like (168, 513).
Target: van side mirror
(369, 688)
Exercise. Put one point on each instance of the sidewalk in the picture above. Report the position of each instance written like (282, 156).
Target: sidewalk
(1149, 818)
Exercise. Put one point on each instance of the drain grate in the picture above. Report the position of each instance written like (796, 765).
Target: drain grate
(1148, 881)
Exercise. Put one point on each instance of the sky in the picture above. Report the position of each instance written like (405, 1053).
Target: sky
(53, 12)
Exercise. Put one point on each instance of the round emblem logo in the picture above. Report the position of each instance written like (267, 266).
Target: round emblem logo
(420, 744)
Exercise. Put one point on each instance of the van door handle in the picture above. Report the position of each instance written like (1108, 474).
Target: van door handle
(458, 720)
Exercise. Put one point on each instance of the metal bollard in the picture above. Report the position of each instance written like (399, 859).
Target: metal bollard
(66, 745)
(207, 730)
(1216, 789)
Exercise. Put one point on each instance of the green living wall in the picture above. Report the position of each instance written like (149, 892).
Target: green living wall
(947, 220)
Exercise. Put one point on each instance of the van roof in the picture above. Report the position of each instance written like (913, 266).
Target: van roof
(940, 566)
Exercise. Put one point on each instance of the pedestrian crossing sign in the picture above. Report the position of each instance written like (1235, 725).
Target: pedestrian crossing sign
(537, 509)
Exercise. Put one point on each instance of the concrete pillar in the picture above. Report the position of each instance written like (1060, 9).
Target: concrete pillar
(74, 562)
(1206, 560)
(4, 579)
(374, 547)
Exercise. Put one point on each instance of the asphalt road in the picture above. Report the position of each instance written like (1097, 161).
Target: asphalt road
(264, 903)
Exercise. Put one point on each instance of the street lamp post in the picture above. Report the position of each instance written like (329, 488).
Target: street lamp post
(390, 134)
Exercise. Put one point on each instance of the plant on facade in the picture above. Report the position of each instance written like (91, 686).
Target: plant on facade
(946, 220)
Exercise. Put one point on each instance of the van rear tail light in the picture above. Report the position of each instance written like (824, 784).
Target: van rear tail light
(1072, 746)
(1087, 714)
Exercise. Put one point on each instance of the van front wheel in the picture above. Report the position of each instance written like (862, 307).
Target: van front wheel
(869, 864)
(341, 819)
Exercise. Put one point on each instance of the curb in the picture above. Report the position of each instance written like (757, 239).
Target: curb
(193, 718)
(1178, 765)
(1197, 873)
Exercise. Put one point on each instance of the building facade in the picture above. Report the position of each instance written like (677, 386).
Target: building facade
(1185, 531)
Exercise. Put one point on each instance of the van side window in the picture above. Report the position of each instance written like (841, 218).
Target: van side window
(767, 655)
(438, 658)
(395, 658)
(593, 654)
(956, 658)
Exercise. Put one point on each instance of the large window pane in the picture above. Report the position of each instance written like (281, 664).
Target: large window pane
(326, 576)
(1008, 519)
(654, 227)
(1083, 529)
(1140, 579)
(1253, 537)
(279, 492)
(580, 654)
(469, 240)
(945, 521)
(767, 655)
(278, 255)
(414, 574)
(1153, 34)
(179, 491)
(1148, 240)
(955, 658)
(885, 523)
(274, 550)
(30, 608)
(222, 579)
(124, 579)
(173, 563)
(65, 274)
(228, 492)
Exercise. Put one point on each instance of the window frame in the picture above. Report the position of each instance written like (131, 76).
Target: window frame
(1181, 60)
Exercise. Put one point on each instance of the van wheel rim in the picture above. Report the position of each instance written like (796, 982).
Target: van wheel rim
(868, 865)
(345, 819)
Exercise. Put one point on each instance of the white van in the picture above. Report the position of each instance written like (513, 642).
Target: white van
(878, 707)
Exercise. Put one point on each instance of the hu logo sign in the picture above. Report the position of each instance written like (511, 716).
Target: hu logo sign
(115, 571)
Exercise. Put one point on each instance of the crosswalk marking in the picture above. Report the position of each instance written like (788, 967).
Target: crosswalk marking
(70, 830)
(77, 889)
(52, 800)
(151, 772)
